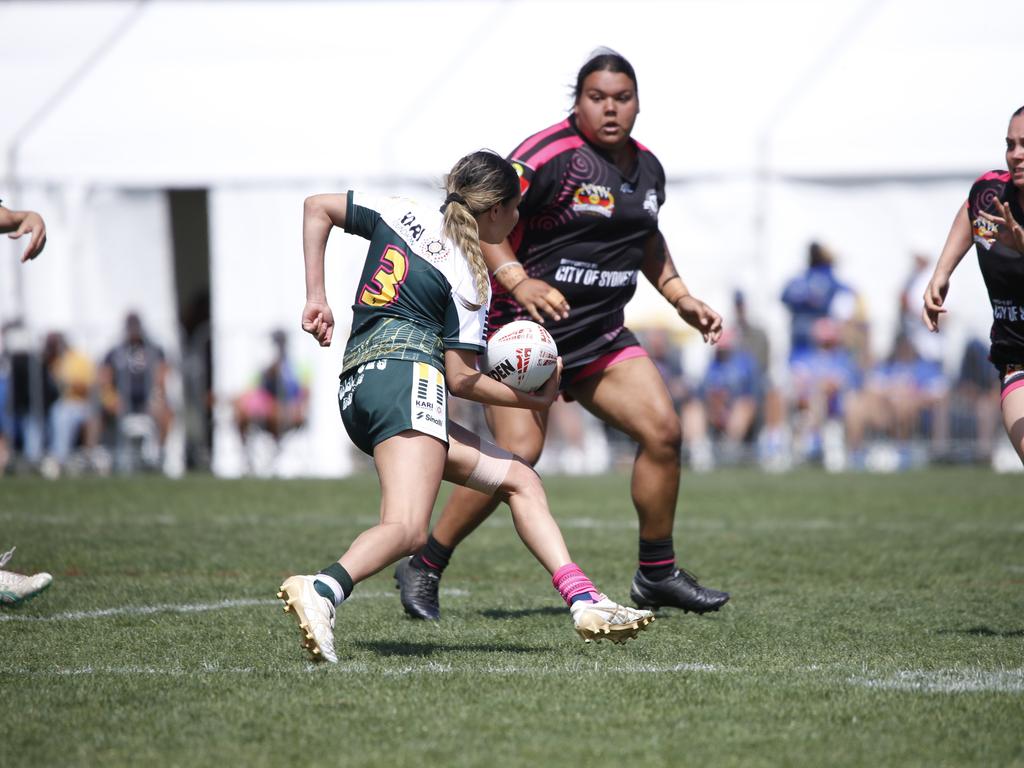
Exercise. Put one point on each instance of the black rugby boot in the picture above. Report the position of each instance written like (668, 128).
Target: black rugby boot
(680, 590)
(418, 590)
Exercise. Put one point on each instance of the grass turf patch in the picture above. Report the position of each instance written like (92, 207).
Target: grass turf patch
(874, 620)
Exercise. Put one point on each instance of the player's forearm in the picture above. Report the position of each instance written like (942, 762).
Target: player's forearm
(660, 270)
(316, 228)
(958, 242)
(465, 381)
(477, 386)
(501, 261)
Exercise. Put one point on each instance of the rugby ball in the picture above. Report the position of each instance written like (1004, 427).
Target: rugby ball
(522, 355)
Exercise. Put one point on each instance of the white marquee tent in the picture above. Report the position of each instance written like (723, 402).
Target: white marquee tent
(860, 123)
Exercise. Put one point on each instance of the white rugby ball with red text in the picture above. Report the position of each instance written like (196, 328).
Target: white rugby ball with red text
(522, 355)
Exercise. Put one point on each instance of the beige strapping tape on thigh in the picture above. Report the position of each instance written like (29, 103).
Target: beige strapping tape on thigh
(491, 468)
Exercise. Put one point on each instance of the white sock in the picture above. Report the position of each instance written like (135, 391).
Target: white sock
(330, 581)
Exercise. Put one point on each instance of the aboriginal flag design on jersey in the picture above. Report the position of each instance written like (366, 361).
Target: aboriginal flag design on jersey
(582, 228)
(1001, 267)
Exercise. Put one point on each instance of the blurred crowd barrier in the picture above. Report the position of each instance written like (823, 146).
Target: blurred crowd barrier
(139, 408)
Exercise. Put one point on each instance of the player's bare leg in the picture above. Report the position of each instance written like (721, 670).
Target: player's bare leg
(1013, 419)
(516, 430)
(497, 472)
(407, 499)
(652, 422)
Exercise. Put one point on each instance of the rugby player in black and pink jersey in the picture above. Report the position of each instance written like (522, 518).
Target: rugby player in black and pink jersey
(588, 228)
(991, 218)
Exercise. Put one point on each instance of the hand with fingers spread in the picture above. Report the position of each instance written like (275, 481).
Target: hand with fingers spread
(700, 316)
(1008, 230)
(536, 296)
(318, 321)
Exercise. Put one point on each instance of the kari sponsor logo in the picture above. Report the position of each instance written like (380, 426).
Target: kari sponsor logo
(594, 198)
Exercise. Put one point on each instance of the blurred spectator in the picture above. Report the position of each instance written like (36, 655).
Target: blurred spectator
(278, 402)
(974, 405)
(133, 394)
(825, 383)
(727, 407)
(31, 392)
(668, 359)
(928, 345)
(904, 397)
(73, 418)
(749, 336)
(814, 294)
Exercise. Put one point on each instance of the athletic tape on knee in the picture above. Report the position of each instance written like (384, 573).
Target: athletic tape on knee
(491, 469)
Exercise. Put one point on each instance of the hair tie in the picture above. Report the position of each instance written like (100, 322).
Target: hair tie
(453, 197)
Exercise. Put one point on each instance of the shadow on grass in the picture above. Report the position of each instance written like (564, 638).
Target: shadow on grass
(504, 613)
(429, 649)
(984, 632)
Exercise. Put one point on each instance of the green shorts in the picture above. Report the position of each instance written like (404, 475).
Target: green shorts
(381, 398)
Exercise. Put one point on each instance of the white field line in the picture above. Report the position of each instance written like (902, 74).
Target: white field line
(946, 681)
(145, 610)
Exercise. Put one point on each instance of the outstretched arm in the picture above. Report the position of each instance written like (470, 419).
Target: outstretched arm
(958, 242)
(319, 214)
(20, 222)
(660, 271)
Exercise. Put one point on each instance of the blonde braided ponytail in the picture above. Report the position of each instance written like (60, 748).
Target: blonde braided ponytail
(475, 184)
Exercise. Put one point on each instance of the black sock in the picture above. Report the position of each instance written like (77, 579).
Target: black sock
(657, 559)
(434, 555)
(340, 575)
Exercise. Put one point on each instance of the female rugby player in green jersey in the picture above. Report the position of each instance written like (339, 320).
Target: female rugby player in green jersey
(417, 329)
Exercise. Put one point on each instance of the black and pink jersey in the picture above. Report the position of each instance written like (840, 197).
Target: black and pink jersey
(582, 228)
(1001, 267)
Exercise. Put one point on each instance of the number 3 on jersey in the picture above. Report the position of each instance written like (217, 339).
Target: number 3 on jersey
(383, 286)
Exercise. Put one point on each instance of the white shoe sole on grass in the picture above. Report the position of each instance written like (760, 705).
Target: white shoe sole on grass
(315, 616)
(607, 620)
(16, 588)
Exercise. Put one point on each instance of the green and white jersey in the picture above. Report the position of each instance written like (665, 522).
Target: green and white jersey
(416, 296)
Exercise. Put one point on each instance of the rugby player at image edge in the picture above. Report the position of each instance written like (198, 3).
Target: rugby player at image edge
(16, 588)
(991, 218)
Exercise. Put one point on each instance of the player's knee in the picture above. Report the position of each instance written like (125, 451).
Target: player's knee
(521, 479)
(416, 540)
(525, 443)
(412, 537)
(663, 439)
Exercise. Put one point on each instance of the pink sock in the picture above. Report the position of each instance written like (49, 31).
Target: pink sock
(571, 582)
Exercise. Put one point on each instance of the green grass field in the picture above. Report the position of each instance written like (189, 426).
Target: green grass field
(875, 620)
